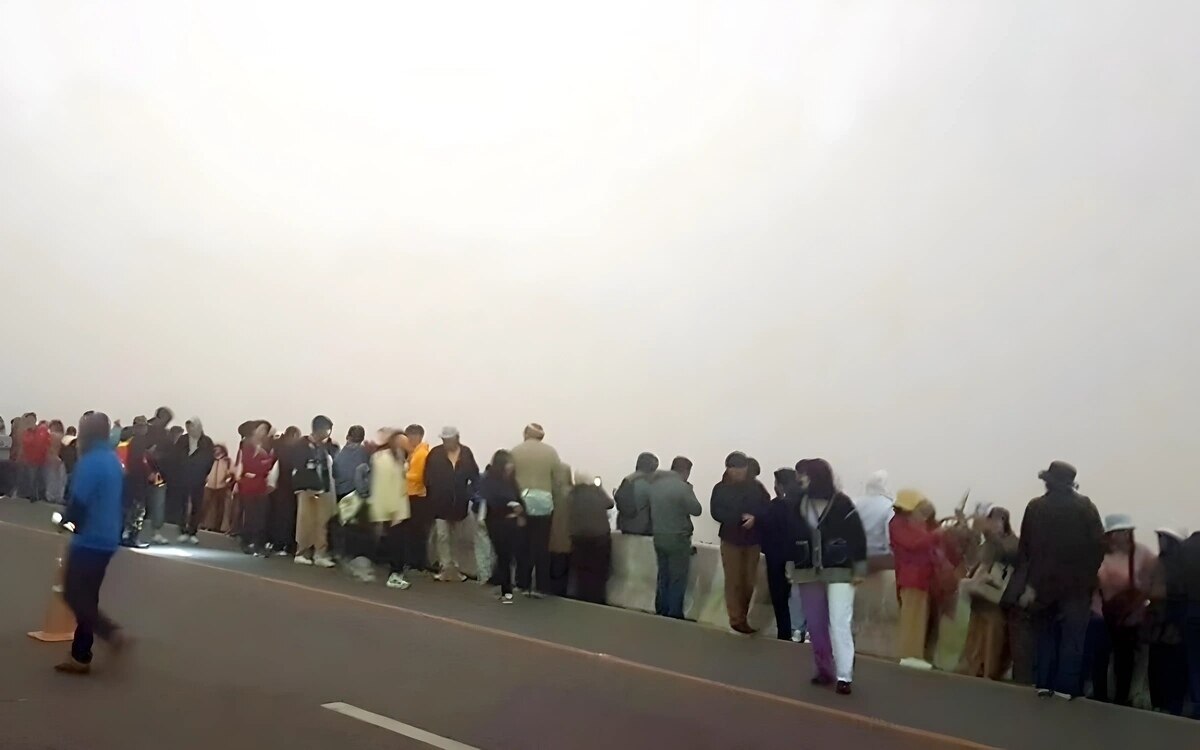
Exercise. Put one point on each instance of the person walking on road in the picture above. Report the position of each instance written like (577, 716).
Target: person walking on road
(1061, 546)
(673, 505)
(738, 502)
(828, 559)
(97, 513)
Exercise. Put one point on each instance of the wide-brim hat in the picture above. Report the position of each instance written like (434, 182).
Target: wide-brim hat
(1060, 472)
(908, 500)
(1118, 522)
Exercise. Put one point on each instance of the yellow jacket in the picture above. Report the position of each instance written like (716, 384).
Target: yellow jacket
(416, 471)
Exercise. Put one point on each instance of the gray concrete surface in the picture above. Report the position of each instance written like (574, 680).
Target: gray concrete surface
(237, 652)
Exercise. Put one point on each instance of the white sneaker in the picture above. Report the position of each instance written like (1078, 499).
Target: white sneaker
(159, 539)
(912, 663)
(506, 599)
(302, 560)
(193, 539)
(797, 636)
(398, 581)
(324, 562)
(182, 539)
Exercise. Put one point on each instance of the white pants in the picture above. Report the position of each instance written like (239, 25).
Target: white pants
(830, 612)
(841, 630)
(446, 533)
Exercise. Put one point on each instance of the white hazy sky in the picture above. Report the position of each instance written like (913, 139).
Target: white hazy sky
(953, 240)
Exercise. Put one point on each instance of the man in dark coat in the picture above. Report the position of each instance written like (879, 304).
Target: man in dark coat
(451, 475)
(1062, 546)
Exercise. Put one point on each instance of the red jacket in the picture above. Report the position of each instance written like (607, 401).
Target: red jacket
(914, 548)
(35, 444)
(256, 462)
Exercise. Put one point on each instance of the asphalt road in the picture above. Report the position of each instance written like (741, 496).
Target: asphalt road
(235, 652)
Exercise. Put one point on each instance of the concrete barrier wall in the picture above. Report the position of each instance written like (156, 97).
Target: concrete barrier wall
(633, 580)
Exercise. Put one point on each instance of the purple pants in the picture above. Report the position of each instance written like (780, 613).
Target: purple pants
(829, 609)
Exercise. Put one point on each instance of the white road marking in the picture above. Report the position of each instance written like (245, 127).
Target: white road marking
(399, 727)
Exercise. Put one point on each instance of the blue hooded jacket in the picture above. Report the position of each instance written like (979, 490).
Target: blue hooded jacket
(95, 503)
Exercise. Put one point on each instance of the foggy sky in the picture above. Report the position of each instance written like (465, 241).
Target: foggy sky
(952, 240)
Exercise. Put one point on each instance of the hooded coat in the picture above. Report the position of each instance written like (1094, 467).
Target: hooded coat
(876, 511)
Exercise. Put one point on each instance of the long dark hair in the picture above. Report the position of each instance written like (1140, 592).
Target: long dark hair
(500, 462)
(820, 478)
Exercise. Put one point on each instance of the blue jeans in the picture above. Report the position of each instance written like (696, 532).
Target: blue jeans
(1061, 631)
(674, 553)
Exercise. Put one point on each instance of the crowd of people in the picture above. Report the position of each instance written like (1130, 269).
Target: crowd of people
(1067, 605)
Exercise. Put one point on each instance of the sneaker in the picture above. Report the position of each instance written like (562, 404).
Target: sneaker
(302, 560)
(182, 538)
(506, 599)
(450, 579)
(912, 663)
(70, 666)
(843, 688)
(321, 561)
(1064, 696)
(531, 594)
(1044, 693)
(280, 553)
(159, 539)
(398, 581)
(193, 539)
(797, 636)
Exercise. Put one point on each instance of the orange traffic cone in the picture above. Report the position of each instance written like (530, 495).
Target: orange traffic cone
(59, 624)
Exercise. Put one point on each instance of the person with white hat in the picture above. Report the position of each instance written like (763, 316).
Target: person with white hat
(1126, 577)
(451, 476)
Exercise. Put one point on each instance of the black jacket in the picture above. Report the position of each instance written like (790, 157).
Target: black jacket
(498, 493)
(1062, 545)
(730, 500)
(194, 467)
(632, 499)
(838, 541)
(449, 487)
